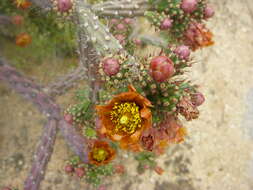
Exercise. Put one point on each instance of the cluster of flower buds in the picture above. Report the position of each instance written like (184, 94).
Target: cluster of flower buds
(92, 173)
(75, 167)
(177, 16)
(157, 77)
(121, 28)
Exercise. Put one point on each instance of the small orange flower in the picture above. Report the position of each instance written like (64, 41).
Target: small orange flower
(198, 36)
(159, 170)
(101, 153)
(23, 4)
(125, 117)
(23, 39)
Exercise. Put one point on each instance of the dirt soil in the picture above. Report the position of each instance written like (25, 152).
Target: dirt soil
(218, 152)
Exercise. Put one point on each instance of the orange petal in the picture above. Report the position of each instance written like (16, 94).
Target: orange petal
(116, 137)
(145, 113)
(131, 88)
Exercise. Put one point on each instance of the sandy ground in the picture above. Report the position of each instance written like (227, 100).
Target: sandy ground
(218, 153)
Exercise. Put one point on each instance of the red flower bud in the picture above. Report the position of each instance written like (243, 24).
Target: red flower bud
(79, 172)
(189, 6)
(208, 12)
(197, 99)
(111, 66)
(64, 5)
(69, 168)
(161, 68)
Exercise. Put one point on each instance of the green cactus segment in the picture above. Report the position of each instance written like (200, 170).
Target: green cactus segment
(100, 36)
(103, 41)
(95, 174)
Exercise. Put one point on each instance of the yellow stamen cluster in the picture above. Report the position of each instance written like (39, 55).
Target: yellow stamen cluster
(126, 117)
(99, 154)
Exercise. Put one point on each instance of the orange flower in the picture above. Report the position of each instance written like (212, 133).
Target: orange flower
(101, 153)
(171, 130)
(125, 117)
(23, 39)
(23, 4)
(198, 36)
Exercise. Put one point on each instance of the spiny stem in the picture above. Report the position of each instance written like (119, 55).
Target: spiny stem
(76, 142)
(65, 82)
(42, 156)
(130, 8)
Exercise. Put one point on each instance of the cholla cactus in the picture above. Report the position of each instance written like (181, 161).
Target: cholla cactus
(131, 102)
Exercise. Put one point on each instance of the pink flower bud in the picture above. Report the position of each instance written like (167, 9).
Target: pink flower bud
(114, 21)
(120, 26)
(166, 24)
(64, 5)
(161, 68)
(189, 6)
(119, 168)
(208, 12)
(137, 42)
(128, 20)
(17, 20)
(101, 187)
(69, 168)
(197, 99)
(111, 66)
(68, 118)
(183, 52)
(79, 172)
